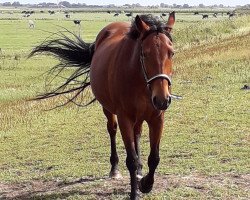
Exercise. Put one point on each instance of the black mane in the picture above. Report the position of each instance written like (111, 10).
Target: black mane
(154, 23)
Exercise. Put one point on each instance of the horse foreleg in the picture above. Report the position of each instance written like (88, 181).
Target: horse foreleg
(114, 159)
(137, 132)
(155, 132)
(127, 132)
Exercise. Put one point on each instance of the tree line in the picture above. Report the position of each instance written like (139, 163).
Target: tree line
(67, 4)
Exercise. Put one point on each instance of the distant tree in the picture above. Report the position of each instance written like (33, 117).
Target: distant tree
(201, 5)
(163, 5)
(136, 5)
(16, 4)
(42, 5)
(185, 5)
(78, 5)
(50, 4)
(65, 3)
(111, 5)
(6, 4)
(127, 5)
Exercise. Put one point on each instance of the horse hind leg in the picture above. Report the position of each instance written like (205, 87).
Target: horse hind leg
(114, 159)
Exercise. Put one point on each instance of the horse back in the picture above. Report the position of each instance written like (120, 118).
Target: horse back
(110, 33)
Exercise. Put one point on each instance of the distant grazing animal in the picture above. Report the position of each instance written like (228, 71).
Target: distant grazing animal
(67, 15)
(164, 14)
(31, 24)
(215, 15)
(77, 22)
(204, 16)
(245, 87)
(52, 12)
(26, 15)
(109, 12)
(196, 13)
(129, 69)
(28, 12)
(116, 14)
(129, 14)
(41, 11)
(231, 15)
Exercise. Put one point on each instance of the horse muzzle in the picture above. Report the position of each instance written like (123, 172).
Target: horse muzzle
(161, 103)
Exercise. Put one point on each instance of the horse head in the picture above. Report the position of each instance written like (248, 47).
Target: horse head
(156, 54)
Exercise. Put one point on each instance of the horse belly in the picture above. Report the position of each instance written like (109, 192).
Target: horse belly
(99, 79)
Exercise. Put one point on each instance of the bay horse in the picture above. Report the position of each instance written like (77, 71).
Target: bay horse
(129, 69)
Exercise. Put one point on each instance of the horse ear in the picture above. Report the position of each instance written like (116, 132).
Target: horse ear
(141, 25)
(171, 21)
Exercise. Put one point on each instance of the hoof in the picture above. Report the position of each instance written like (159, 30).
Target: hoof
(115, 175)
(134, 196)
(144, 187)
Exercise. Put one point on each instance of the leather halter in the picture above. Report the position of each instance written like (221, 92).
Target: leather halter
(157, 76)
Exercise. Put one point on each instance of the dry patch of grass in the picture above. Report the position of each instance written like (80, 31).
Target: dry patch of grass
(191, 186)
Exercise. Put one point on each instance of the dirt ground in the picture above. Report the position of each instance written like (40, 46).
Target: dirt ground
(105, 188)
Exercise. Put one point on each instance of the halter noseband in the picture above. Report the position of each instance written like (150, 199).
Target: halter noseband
(149, 80)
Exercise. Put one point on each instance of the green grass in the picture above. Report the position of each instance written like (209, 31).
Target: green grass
(206, 134)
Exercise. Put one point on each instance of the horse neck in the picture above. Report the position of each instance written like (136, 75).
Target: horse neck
(136, 72)
(134, 61)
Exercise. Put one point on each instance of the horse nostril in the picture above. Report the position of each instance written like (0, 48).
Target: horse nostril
(161, 104)
(158, 103)
(169, 99)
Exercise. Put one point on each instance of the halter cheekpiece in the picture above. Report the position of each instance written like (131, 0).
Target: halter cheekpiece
(162, 76)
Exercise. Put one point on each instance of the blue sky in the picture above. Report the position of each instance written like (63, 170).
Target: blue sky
(142, 2)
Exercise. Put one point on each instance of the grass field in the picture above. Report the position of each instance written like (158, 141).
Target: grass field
(64, 153)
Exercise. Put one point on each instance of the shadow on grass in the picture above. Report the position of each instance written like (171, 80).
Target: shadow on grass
(66, 189)
(40, 196)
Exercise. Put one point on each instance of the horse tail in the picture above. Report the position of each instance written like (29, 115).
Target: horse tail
(72, 52)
